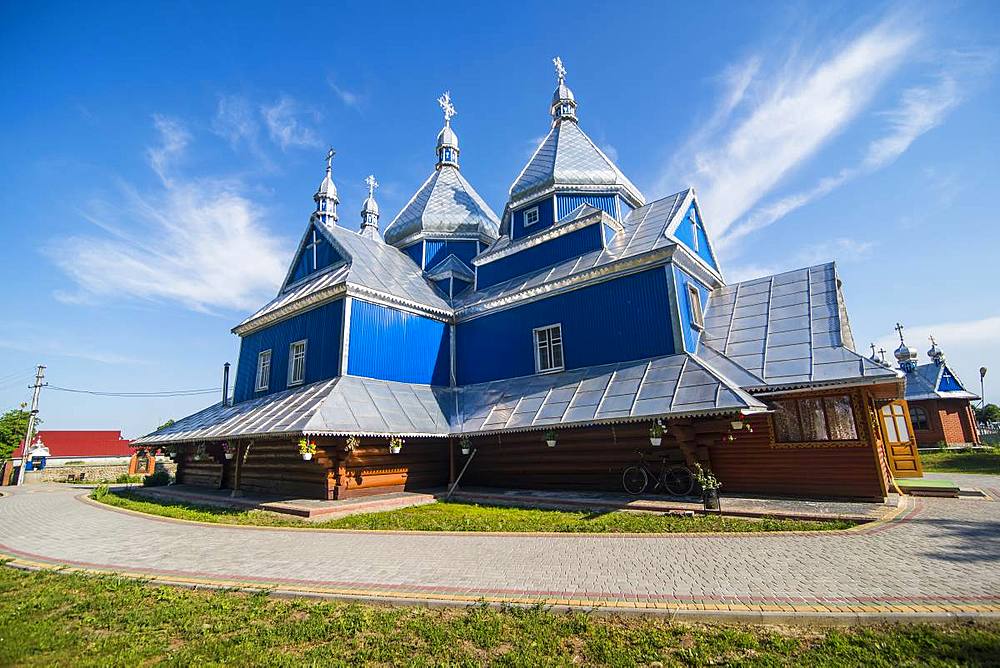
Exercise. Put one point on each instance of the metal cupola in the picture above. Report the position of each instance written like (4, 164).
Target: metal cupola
(326, 195)
(447, 140)
(563, 100)
(905, 355)
(369, 211)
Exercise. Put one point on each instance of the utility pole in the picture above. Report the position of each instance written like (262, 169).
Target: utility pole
(39, 377)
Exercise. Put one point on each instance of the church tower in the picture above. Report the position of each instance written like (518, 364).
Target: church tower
(326, 196)
(369, 212)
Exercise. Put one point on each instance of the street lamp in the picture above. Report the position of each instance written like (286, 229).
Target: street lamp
(982, 387)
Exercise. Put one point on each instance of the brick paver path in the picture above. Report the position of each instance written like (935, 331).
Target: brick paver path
(940, 556)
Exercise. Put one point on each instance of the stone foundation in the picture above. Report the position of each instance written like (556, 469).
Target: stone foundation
(91, 473)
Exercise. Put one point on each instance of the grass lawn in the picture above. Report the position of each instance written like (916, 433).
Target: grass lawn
(443, 516)
(962, 461)
(77, 620)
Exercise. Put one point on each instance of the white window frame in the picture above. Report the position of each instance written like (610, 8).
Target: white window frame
(533, 210)
(694, 307)
(292, 380)
(263, 381)
(549, 363)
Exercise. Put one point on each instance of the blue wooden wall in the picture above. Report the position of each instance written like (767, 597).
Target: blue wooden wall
(438, 250)
(625, 318)
(554, 251)
(682, 279)
(325, 256)
(390, 344)
(416, 253)
(321, 326)
(685, 232)
(545, 218)
(566, 204)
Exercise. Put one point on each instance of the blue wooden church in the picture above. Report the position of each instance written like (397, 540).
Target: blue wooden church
(549, 340)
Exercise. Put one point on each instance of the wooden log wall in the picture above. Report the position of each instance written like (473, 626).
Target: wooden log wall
(275, 467)
(204, 473)
(423, 463)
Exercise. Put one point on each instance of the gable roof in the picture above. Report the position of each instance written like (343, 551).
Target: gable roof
(568, 157)
(75, 443)
(924, 382)
(445, 205)
(788, 330)
(369, 267)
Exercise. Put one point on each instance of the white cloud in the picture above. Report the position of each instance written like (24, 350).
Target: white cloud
(610, 151)
(348, 97)
(287, 126)
(785, 120)
(197, 242)
(842, 250)
(235, 120)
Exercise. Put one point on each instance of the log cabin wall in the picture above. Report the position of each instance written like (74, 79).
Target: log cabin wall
(275, 467)
(203, 472)
(422, 464)
(753, 463)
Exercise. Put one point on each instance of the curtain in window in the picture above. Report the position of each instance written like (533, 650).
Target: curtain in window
(840, 418)
(786, 422)
(813, 420)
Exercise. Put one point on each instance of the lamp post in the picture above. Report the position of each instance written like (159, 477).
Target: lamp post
(982, 387)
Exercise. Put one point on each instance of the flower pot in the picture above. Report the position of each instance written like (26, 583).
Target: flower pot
(736, 424)
(710, 497)
(655, 441)
(229, 455)
(551, 442)
(306, 456)
(466, 451)
(394, 449)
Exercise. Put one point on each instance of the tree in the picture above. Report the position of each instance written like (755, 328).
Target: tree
(988, 413)
(13, 424)
(168, 423)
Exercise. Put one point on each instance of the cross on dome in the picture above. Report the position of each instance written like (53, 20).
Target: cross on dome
(371, 183)
(329, 159)
(899, 328)
(447, 107)
(560, 69)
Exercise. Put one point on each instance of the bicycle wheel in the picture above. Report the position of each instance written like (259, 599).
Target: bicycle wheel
(678, 480)
(634, 480)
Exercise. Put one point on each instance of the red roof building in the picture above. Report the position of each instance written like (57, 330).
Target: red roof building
(81, 444)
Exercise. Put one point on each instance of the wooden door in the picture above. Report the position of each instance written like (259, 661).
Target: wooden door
(900, 445)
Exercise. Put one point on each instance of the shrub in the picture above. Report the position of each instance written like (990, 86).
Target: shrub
(157, 479)
(100, 492)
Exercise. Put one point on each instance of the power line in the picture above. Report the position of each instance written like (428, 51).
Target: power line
(164, 393)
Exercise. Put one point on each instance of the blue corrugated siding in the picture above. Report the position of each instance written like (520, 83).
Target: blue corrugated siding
(685, 232)
(622, 319)
(438, 250)
(390, 344)
(565, 204)
(321, 327)
(681, 280)
(325, 256)
(416, 252)
(573, 244)
(545, 218)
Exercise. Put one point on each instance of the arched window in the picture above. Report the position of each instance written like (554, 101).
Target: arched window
(918, 416)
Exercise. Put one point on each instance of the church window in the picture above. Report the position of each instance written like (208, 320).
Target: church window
(263, 370)
(297, 363)
(919, 418)
(531, 216)
(694, 307)
(814, 419)
(549, 349)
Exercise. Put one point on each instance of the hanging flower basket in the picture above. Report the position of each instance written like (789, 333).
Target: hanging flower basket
(550, 438)
(656, 434)
(228, 450)
(395, 445)
(466, 445)
(307, 449)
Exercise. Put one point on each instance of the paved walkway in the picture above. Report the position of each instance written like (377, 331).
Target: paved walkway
(939, 557)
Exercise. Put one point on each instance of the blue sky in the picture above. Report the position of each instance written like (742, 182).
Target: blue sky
(158, 164)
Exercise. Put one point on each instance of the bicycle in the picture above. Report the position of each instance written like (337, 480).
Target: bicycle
(677, 480)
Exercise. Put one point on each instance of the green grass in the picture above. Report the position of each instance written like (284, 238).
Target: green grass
(56, 619)
(962, 461)
(443, 516)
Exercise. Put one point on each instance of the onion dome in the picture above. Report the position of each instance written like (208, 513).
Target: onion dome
(326, 195)
(905, 355)
(563, 100)
(369, 211)
(935, 353)
(447, 140)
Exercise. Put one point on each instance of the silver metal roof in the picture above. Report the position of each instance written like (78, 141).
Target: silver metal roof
(672, 386)
(644, 231)
(568, 157)
(370, 265)
(343, 405)
(924, 381)
(445, 205)
(786, 330)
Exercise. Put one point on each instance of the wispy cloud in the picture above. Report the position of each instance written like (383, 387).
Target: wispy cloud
(288, 124)
(53, 348)
(755, 140)
(197, 242)
(841, 249)
(236, 121)
(350, 98)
